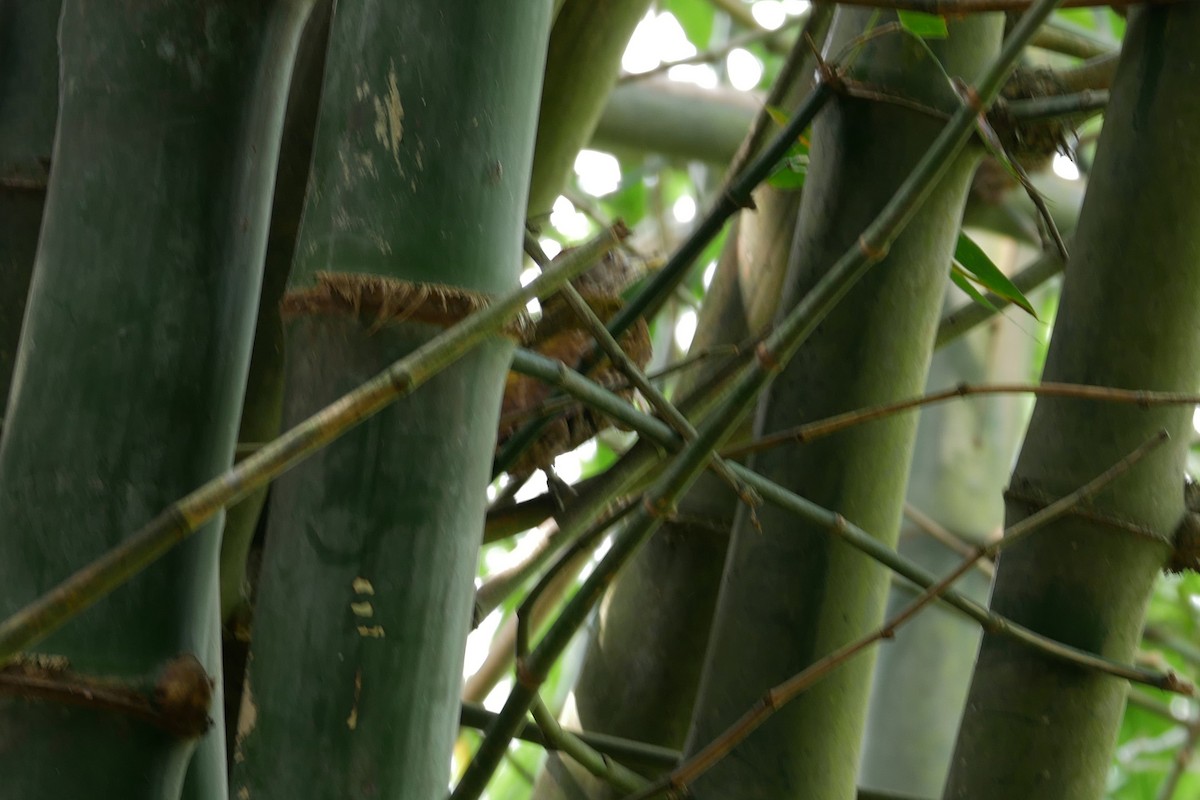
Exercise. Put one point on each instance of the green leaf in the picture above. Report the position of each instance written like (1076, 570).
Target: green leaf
(787, 178)
(927, 26)
(792, 171)
(793, 167)
(778, 115)
(630, 201)
(696, 19)
(972, 258)
(960, 279)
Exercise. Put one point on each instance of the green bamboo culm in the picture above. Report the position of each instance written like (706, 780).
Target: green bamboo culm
(663, 600)
(418, 190)
(262, 409)
(132, 360)
(582, 64)
(28, 108)
(1082, 581)
(807, 593)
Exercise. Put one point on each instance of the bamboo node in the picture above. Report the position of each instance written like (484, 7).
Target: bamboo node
(658, 507)
(1185, 554)
(872, 252)
(765, 357)
(1036, 499)
(183, 694)
(177, 703)
(525, 676)
(970, 96)
(390, 301)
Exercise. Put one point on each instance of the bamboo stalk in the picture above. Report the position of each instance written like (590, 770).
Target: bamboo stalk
(184, 517)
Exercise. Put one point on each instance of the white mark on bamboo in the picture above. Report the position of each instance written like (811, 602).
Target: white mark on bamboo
(363, 609)
(363, 586)
(352, 720)
(247, 719)
(389, 117)
(371, 631)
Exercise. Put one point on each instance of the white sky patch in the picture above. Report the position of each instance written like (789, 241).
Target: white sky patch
(568, 221)
(745, 70)
(685, 329)
(568, 467)
(794, 8)
(478, 642)
(599, 173)
(1196, 420)
(533, 306)
(657, 38)
(1064, 167)
(496, 697)
(550, 247)
(769, 13)
(702, 75)
(1181, 706)
(536, 485)
(587, 450)
(709, 272)
(684, 209)
(495, 559)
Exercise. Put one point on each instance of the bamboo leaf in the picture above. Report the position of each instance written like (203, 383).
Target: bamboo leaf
(958, 275)
(927, 26)
(790, 175)
(695, 17)
(971, 257)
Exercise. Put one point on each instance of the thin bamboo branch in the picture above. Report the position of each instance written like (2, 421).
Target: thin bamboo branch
(824, 427)
(1181, 762)
(635, 469)
(1144, 701)
(954, 7)
(735, 196)
(611, 348)
(780, 695)
(1173, 641)
(944, 536)
(796, 66)
(589, 758)
(1067, 40)
(772, 354)
(185, 516)
(594, 761)
(1095, 73)
(492, 593)
(627, 750)
(1080, 104)
(655, 430)
(499, 659)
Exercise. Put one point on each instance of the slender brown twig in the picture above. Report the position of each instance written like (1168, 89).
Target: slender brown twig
(1182, 760)
(780, 695)
(945, 536)
(955, 7)
(808, 432)
(621, 360)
